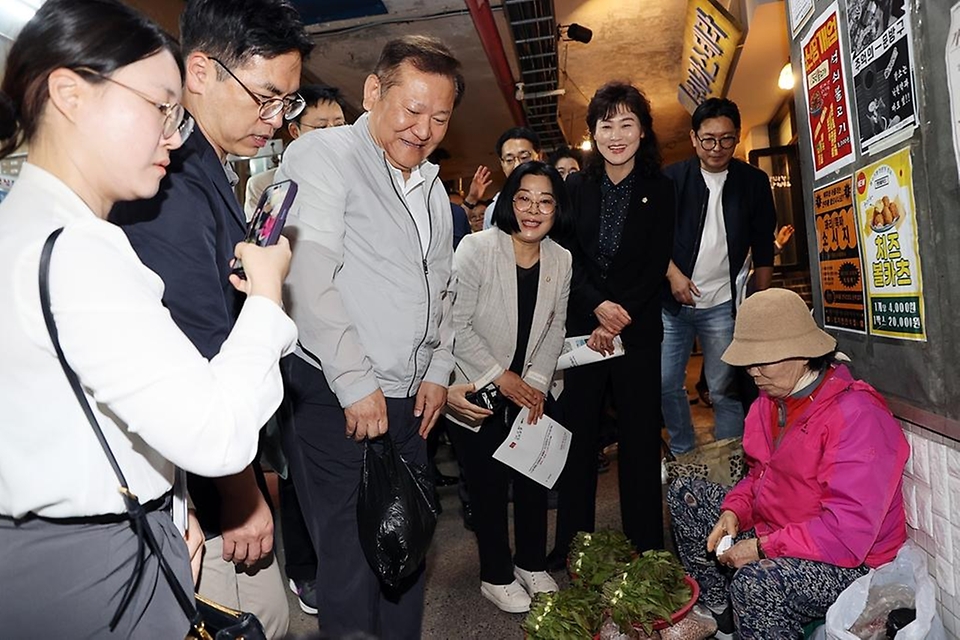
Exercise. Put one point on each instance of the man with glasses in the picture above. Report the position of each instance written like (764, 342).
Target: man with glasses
(322, 110)
(514, 147)
(725, 213)
(243, 62)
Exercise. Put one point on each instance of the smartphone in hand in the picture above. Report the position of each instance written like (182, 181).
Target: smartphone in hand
(268, 219)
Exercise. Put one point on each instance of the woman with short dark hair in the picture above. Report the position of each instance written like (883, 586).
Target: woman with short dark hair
(623, 213)
(94, 87)
(513, 281)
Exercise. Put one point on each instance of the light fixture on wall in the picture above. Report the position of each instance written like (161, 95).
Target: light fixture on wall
(574, 32)
(786, 79)
(586, 145)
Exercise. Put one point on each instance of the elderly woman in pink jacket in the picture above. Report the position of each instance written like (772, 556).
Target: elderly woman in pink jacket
(821, 503)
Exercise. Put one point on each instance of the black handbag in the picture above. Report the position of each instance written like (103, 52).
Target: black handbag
(208, 620)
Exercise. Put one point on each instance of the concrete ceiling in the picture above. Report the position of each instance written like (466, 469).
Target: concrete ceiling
(635, 40)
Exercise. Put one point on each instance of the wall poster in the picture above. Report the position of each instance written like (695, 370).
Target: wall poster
(825, 90)
(882, 50)
(953, 78)
(841, 267)
(886, 217)
(799, 11)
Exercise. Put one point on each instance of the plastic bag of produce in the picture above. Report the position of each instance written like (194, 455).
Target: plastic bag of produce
(862, 610)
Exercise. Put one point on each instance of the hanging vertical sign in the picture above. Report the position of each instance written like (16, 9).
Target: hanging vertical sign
(710, 40)
(841, 267)
(886, 217)
(883, 79)
(825, 89)
(953, 78)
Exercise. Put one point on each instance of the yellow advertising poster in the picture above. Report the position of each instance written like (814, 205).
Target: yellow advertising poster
(841, 267)
(710, 39)
(887, 220)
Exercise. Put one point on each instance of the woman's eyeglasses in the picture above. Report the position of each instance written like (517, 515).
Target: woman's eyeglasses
(291, 105)
(175, 118)
(524, 203)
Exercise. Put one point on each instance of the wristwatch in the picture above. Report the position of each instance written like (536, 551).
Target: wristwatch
(469, 205)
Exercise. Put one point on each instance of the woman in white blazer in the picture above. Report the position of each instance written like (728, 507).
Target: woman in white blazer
(513, 282)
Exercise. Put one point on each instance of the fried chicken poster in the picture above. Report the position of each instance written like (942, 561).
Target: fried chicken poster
(841, 269)
(825, 89)
(886, 217)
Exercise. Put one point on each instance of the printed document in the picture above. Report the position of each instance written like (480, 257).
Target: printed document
(538, 451)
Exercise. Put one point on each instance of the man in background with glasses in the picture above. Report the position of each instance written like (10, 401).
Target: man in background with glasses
(725, 213)
(514, 147)
(322, 110)
(243, 62)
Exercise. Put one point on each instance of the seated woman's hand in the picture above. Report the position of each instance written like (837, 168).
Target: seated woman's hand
(517, 391)
(742, 553)
(727, 524)
(457, 400)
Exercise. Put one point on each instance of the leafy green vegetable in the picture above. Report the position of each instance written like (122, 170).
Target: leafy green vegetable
(650, 588)
(596, 557)
(570, 614)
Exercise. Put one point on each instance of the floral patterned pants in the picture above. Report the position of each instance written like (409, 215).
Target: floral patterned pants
(771, 598)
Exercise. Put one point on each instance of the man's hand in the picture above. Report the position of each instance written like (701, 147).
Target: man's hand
(245, 519)
(612, 316)
(783, 236)
(744, 552)
(682, 287)
(516, 390)
(457, 400)
(601, 341)
(727, 524)
(194, 539)
(478, 186)
(367, 417)
(430, 400)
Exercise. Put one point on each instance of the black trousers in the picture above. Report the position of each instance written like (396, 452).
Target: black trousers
(326, 467)
(634, 382)
(300, 561)
(489, 483)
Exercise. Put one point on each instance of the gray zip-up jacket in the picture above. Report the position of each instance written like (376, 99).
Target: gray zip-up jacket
(372, 309)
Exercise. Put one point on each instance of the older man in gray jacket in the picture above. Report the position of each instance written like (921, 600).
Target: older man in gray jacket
(369, 291)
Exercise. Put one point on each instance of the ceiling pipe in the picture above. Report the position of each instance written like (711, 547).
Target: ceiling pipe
(493, 47)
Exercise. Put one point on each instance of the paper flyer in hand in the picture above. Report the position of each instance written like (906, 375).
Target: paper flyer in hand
(575, 352)
(538, 451)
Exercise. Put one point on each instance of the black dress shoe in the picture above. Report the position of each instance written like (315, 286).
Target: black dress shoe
(467, 512)
(442, 480)
(557, 560)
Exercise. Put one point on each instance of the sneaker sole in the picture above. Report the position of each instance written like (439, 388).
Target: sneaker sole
(506, 608)
(307, 609)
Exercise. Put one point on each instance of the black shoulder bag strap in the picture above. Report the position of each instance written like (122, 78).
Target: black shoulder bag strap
(138, 517)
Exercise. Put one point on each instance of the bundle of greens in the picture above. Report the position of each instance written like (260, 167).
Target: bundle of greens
(596, 557)
(570, 614)
(649, 589)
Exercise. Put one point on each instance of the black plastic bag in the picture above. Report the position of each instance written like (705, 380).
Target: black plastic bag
(396, 511)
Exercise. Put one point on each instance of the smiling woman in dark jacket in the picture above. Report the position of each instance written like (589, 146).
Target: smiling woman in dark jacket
(624, 210)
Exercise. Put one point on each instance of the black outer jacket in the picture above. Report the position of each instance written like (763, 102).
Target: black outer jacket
(748, 214)
(635, 277)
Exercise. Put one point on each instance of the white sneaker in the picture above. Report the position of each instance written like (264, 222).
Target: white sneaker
(508, 597)
(535, 581)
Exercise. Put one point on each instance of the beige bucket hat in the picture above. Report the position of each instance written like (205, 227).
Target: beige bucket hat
(775, 325)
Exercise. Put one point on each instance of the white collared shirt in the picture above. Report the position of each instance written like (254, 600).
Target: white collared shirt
(415, 196)
(157, 400)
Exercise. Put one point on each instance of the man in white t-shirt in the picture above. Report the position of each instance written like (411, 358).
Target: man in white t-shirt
(724, 212)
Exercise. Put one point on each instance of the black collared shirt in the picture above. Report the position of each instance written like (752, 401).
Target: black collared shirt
(614, 206)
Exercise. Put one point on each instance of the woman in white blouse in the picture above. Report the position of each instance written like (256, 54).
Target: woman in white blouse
(512, 287)
(93, 88)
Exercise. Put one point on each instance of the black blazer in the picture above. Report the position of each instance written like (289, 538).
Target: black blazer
(640, 265)
(187, 234)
